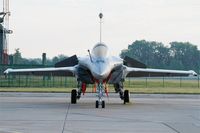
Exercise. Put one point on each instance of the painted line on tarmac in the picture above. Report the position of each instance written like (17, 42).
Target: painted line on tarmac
(67, 112)
(171, 127)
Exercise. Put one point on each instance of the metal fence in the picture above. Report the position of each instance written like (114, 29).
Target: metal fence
(36, 81)
(70, 82)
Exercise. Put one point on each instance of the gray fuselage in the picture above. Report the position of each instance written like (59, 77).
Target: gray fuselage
(100, 64)
(100, 67)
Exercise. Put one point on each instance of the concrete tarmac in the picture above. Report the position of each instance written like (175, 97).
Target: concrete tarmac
(53, 113)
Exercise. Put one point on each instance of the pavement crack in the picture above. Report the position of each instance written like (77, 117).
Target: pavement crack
(67, 112)
(171, 127)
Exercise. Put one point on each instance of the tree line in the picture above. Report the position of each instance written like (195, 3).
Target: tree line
(19, 60)
(179, 55)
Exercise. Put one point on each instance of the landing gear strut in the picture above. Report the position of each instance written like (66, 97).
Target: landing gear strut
(100, 93)
(76, 94)
(79, 90)
(123, 94)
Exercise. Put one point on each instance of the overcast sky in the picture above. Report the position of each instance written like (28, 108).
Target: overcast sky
(72, 26)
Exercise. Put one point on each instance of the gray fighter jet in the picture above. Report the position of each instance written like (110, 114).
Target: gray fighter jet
(100, 69)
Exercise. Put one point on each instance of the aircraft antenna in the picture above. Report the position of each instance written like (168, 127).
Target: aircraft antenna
(90, 56)
(100, 16)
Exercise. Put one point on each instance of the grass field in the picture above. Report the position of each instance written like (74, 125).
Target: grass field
(65, 84)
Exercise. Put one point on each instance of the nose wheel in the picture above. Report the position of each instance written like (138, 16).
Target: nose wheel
(102, 103)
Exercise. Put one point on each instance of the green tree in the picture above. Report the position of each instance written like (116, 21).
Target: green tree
(153, 54)
(184, 55)
(56, 59)
(180, 55)
(17, 58)
(31, 61)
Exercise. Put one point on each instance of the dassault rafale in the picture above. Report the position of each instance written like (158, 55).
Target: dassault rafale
(99, 68)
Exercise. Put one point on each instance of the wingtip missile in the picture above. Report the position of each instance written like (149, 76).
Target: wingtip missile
(7, 71)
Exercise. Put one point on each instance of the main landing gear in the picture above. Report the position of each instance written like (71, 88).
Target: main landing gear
(126, 96)
(123, 94)
(73, 96)
(76, 94)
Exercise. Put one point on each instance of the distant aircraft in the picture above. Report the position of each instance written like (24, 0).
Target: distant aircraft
(100, 69)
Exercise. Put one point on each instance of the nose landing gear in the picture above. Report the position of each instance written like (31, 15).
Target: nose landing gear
(100, 93)
(102, 103)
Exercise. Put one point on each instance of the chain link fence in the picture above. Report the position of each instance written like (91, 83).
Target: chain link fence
(70, 82)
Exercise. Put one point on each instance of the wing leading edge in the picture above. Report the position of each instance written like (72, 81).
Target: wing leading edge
(64, 71)
(148, 72)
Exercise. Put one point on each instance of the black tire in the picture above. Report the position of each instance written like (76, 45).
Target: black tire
(97, 104)
(126, 96)
(73, 96)
(103, 104)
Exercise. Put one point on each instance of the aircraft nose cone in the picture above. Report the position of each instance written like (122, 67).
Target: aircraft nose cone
(101, 73)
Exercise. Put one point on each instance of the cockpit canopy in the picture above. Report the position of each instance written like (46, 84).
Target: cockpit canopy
(100, 50)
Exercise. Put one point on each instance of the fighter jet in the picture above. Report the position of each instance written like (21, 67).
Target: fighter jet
(99, 68)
